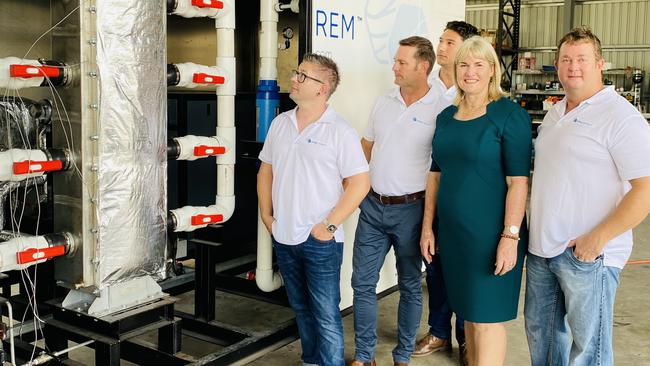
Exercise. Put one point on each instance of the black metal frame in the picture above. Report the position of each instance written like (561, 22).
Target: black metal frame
(508, 32)
(112, 333)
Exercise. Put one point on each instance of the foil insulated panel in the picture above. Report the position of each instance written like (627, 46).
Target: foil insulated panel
(132, 161)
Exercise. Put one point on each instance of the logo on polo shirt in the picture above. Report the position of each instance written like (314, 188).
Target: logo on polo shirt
(312, 141)
(417, 120)
(581, 122)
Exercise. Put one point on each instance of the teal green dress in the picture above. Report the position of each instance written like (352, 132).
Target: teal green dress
(473, 158)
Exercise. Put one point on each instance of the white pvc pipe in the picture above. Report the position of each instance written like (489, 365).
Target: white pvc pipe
(12, 83)
(265, 278)
(9, 157)
(10, 314)
(187, 70)
(189, 142)
(10, 249)
(268, 40)
(225, 42)
(225, 131)
(44, 358)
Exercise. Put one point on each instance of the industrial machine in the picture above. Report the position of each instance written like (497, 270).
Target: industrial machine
(129, 134)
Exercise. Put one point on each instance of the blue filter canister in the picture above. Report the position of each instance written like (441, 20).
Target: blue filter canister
(268, 105)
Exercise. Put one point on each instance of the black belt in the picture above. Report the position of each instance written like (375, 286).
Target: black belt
(397, 200)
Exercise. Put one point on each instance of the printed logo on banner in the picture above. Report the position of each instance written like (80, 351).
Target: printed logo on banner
(335, 24)
(389, 21)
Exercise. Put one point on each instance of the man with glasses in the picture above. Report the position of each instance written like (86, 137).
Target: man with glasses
(312, 177)
(391, 215)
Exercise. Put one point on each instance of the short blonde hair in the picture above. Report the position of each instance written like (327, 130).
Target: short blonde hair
(480, 48)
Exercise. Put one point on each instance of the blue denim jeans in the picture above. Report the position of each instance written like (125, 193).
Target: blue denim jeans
(381, 227)
(440, 311)
(311, 272)
(569, 310)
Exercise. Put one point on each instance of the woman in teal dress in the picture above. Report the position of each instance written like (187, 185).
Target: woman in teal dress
(477, 188)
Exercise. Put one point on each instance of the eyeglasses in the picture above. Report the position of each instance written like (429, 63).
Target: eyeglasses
(301, 76)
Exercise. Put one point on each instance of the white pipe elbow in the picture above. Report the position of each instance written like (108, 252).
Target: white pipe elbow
(226, 17)
(225, 205)
(267, 280)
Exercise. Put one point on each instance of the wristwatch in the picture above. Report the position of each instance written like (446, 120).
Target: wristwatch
(511, 232)
(513, 229)
(329, 226)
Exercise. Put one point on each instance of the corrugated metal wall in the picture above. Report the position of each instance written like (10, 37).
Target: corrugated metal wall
(623, 27)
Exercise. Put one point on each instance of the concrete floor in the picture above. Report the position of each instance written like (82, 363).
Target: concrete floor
(631, 324)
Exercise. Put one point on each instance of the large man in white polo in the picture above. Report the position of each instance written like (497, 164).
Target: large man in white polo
(312, 177)
(397, 144)
(591, 186)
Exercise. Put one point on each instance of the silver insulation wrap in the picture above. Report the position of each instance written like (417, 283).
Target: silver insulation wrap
(5, 190)
(132, 161)
(18, 129)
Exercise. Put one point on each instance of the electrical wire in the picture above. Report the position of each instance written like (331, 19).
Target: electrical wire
(16, 218)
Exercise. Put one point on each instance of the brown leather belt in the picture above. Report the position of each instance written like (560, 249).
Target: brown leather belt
(397, 200)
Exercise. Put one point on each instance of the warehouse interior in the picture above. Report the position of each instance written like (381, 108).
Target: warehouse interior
(129, 226)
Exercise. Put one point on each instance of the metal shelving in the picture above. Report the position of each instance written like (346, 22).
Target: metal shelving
(508, 32)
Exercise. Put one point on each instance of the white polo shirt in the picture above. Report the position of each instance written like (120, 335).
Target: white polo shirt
(308, 169)
(401, 153)
(583, 162)
(445, 96)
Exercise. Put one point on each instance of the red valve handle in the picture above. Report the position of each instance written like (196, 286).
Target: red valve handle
(206, 219)
(203, 150)
(208, 4)
(33, 254)
(29, 71)
(31, 166)
(203, 78)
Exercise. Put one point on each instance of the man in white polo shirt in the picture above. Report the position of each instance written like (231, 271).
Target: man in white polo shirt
(397, 143)
(591, 186)
(312, 177)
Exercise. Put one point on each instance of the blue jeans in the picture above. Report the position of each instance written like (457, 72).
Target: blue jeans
(311, 272)
(439, 309)
(569, 310)
(380, 227)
